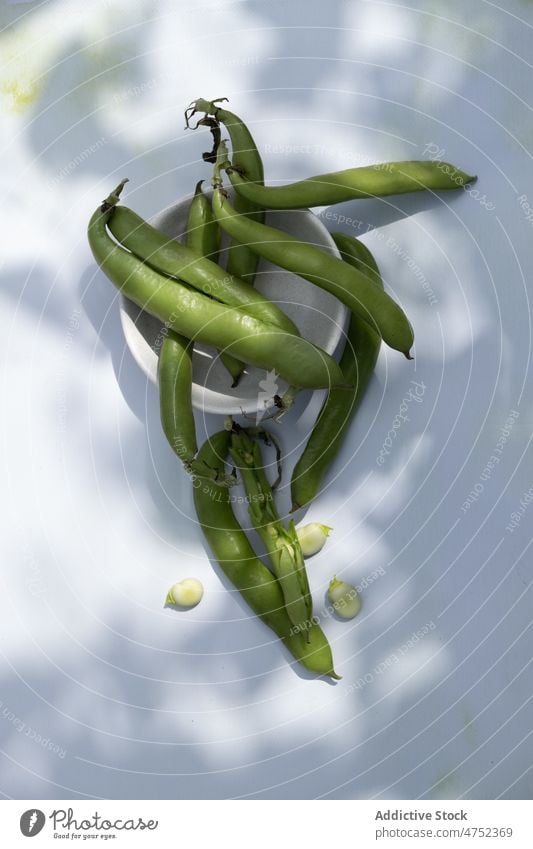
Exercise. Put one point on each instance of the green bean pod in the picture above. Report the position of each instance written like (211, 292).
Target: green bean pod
(388, 178)
(356, 254)
(347, 283)
(339, 408)
(175, 382)
(245, 153)
(237, 559)
(281, 543)
(203, 236)
(198, 317)
(175, 405)
(242, 261)
(203, 232)
(171, 258)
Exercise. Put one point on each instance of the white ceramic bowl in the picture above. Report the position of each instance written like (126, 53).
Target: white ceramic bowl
(319, 316)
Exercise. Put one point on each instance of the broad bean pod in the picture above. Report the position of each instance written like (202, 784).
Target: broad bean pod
(242, 261)
(244, 150)
(203, 236)
(203, 232)
(388, 178)
(175, 406)
(339, 408)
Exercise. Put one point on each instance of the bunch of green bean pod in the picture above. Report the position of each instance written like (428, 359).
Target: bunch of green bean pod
(198, 301)
(339, 408)
(281, 543)
(203, 236)
(200, 318)
(237, 559)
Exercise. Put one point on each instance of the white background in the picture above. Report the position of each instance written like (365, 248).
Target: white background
(104, 692)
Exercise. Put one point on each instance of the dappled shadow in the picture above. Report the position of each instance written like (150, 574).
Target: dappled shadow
(100, 301)
(149, 703)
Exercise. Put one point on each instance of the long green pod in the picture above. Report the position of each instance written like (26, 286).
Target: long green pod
(339, 408)
(347, 283)
(203, 232)
(242, 261)
(388, 178)
(198, 317)
(203, 236)
(175, 406)
(356, 253)
(281, 543)
(174, 374)
(174, 259)
(245, 153)
(250, 577)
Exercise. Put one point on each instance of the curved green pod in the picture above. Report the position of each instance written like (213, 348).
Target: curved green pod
(174, 374)
(175, 406)
(388, 178)
(245, 153)
(203, 236)
(203, 232)
(339, 408)
(242, 261)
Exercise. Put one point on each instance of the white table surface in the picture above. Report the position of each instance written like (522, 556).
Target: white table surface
(103, 692)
